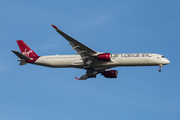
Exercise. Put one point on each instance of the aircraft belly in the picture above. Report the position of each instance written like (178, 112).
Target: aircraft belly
(54, 62)
(77, 64)
(105, 65)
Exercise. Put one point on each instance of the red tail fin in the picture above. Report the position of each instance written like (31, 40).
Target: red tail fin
(25, 50)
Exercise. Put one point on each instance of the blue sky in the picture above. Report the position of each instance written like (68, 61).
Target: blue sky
(39, 93)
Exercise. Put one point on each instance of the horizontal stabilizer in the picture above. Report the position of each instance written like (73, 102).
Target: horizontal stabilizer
(20, 55)
(22, 63)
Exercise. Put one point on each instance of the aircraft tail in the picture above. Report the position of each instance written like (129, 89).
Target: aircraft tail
(26, 50)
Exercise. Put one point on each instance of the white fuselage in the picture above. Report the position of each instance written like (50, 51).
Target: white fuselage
(90, 60)
(132, 59)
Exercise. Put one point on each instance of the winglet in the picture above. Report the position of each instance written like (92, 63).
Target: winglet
(76, 78)
(54, 27)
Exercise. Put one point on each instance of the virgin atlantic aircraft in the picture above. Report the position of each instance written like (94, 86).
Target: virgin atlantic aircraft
(93, 62)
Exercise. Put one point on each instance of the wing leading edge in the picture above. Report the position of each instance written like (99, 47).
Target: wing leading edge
(85, 52)
(76, 43)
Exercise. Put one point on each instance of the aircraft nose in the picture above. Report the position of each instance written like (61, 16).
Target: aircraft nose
(167, 61)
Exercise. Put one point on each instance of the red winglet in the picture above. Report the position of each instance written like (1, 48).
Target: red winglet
(76, 78)
(54, 27)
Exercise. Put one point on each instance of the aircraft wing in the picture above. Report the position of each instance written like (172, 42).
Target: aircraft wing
(83, 77)
(90, 73)
(85, 52)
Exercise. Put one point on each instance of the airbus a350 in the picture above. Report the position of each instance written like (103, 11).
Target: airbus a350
(92, 61)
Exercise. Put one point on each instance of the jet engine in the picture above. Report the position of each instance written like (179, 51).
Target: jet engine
(110, 74)
(104, 57)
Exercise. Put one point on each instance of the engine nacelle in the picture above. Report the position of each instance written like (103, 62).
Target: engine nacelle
(104, 57)
(110, 74)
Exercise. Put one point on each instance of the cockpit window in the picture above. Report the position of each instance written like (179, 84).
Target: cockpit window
(162, 56)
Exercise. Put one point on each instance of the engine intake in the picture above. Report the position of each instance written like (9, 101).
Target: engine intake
(104, 57)
(110, 74)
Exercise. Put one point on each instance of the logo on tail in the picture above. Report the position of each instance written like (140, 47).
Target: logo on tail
(26, 53)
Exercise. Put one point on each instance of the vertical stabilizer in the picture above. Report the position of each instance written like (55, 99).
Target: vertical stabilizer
(26, 50)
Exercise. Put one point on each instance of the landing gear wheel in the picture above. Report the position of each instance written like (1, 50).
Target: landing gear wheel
(160, 67)
(85, 67)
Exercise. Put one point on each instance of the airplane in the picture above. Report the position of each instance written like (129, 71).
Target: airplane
(92, 61)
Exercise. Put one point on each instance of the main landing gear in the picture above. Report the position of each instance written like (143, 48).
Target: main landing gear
(87, 67)
(90, 71)
(160, 66)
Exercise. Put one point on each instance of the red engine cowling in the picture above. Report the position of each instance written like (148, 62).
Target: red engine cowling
(110, 74)
(104, 57)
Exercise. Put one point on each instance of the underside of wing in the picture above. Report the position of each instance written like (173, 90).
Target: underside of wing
(91, 73)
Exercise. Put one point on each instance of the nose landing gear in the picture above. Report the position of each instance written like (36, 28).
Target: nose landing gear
(160, 66)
